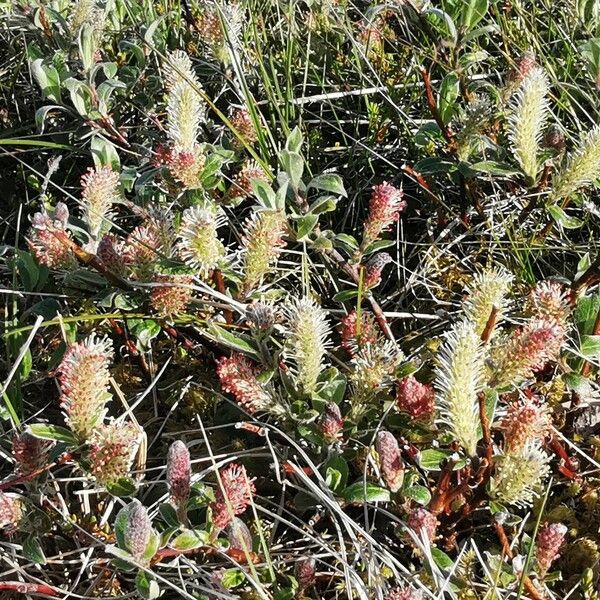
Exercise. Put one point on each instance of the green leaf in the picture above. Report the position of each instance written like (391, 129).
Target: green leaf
(345, 295)
(336, 474)
(361, 492)
(473, 12)
(347, 241)
(586, 312)
(53, 432)
(87, 48)
(305, 225)
(432, 458)
(32, 550)
(169, 514)
(562, 219)
(232, 578)
(323, 204)
(590, 346)
(120, 525)
(264, 194)
(294, 141)
(146, 586)
(152, 546)
(48, 79)
(293, 164)
(122, 488)
(449, 91)
(431, 165)
(239, 342)
(419, 494)
(329, 182)
(104, 153)
(441, 559)
(145, 330)
(494, 168)
(189, 539)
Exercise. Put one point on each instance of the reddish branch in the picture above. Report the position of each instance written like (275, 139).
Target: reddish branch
(533, 591)
(433, 108)
(28, 588)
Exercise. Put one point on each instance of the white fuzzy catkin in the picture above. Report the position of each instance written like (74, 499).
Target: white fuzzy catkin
(487, 290)
(185, 106)
(307, 342)
(582, 167)
(529, 111)
(459, 379)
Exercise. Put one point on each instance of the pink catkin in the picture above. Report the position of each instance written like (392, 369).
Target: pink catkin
(84, 378)
(415, 398)
(525, 421)
(179, 472)
(374, 269)
(353, 338)
(549, 541)
(422, 522)
(392, 467)
(404, 593)
(238, 377)
(385, 206)
(171, 294)
(233, 495)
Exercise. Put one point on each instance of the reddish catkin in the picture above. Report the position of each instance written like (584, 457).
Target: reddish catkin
(415, 398)
(385, 206)
(354, 337)
(233, 495)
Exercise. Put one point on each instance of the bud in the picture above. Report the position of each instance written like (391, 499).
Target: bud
(30, 453)
(551, 537)
(239, 535)
(415, 398)
(138, 529)
(178, 473)
(261, 316)
(392, 467)
(423, 523)
(304, 571)
(241, 185)
(554, 138)
(331, 423)
(374, 268)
